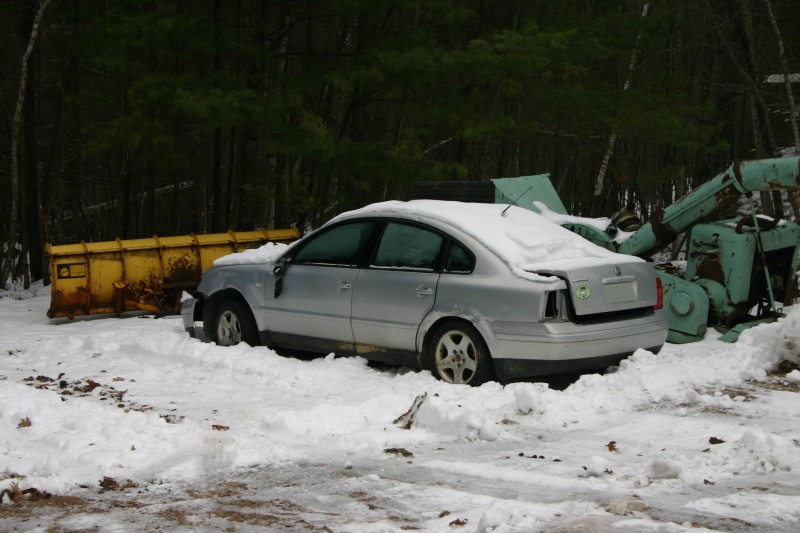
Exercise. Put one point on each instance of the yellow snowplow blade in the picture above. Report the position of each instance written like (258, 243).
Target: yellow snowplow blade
(140, 274)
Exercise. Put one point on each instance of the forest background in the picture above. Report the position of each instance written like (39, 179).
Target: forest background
(139, 117)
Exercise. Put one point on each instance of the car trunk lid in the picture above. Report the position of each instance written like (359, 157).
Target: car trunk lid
(608, 288)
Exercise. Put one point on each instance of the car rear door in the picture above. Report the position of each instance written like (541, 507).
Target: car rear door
(396, 291)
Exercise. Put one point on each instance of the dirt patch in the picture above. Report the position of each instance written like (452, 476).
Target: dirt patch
(777, 378)
(178, 517)
(30, 507)
(226, 506)
(781, 385)
(738, 393)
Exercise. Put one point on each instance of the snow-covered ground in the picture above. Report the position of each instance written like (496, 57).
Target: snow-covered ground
(128, 424)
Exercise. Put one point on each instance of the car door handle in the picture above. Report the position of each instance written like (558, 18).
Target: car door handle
(343, 286)
(423, 291)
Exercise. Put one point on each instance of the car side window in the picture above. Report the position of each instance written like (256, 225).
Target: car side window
(340, 245)
(459, 260)
(409, 247)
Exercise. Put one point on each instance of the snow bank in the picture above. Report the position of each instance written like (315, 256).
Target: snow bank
(754, 508)
(442, 417)
(642, 379)
(138, 400)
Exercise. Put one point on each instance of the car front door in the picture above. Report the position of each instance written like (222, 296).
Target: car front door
(397, 290)
(310, 310)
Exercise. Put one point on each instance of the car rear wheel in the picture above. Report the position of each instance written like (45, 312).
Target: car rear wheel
(234, 324)
(457, 354)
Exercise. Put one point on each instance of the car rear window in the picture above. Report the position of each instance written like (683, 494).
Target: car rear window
(408, 246)
(459, 260)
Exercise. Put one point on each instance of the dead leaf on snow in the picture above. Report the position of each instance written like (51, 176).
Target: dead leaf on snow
(89, 387)
(109, 483)
(36, 494)
(13, 493)
(24, 423)
(217, 427)
(612, 446)
(399, 451)
(458, 522)
(118, 379)
(715, 440)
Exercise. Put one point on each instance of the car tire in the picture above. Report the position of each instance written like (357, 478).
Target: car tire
(459, 191)
(456, 353)
(234, 323)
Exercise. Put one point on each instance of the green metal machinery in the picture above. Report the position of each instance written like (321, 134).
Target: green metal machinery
(736, 271)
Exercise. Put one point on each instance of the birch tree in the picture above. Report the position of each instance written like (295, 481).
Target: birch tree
(785, 71)
(16, 127)
(612, 139)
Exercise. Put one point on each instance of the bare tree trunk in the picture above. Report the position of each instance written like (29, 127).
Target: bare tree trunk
(748, 78)
(16, 126)
(31, 232)
(789, 98)
(785, 72)
(598, 186)
(216, 173)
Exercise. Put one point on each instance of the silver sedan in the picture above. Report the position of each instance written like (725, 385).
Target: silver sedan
(471, 292)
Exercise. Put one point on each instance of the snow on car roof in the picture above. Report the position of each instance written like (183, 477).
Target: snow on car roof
(526, 241)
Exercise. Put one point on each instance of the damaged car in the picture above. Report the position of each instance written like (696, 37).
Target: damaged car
(471, 292)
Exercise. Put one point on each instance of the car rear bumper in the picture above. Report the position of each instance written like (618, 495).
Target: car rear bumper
(520, 350)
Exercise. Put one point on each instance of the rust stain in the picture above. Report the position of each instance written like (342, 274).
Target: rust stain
(181, 268)
(737, 173)
(64, 300)
(725, 203)
(662, 231)
(710, 266)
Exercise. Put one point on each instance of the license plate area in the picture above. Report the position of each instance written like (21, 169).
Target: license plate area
(619, 292)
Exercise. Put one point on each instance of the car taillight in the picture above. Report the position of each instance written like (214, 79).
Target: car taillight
(659, 295)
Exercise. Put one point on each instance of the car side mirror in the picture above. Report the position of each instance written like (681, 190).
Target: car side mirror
(278, 271)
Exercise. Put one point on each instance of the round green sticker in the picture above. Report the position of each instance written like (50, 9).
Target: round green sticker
(583, 292)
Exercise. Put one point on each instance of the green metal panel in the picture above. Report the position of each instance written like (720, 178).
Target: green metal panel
(686, 306)
(523, 191)
(725, 278)
(717, 252)
(728, 265)
(705, 200)
(600, 238)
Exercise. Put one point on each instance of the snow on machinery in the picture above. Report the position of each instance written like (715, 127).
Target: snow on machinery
(736, 271)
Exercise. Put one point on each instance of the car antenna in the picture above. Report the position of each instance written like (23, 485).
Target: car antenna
(515, 201)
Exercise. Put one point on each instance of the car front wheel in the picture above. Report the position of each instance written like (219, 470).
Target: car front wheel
(457, 354)
(234, 324)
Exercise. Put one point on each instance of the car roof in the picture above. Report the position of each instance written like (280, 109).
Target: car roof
(526, 241)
